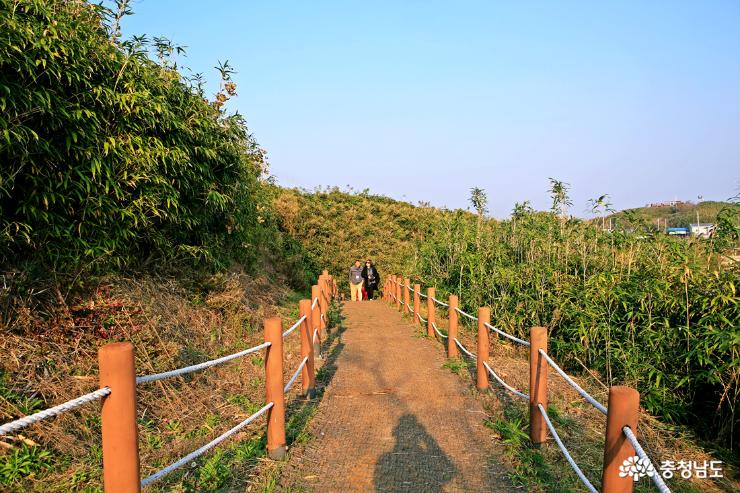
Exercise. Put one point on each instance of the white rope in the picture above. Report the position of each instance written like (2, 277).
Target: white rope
(504, 384)
(295, 326)
(422, 294)
(402, 302)
(509, 336)
(657, 479)
(462, 348)
(315, 335)
(578, 388)
(420, 317)
(53, 411)
(200, 366)
(437, 331)
(564, 450)
(440, 302)
(315, 302)
(162, 473)
(295, 375)
(466, 314)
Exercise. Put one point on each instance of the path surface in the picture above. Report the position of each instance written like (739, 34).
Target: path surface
(392, 419)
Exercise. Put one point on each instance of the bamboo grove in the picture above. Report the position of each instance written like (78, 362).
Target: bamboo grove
(642, 309)
(99, 134)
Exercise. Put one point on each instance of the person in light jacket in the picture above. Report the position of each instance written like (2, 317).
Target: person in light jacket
(356, 281)
(371, 278)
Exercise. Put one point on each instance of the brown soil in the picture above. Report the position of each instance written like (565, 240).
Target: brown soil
(392, 419)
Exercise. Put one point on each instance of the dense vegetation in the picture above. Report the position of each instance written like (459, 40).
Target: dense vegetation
(647, 310)
(110, 157)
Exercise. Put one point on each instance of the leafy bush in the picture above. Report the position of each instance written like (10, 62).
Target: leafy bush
(109, 157)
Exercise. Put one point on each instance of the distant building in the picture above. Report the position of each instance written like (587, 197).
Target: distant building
(677, 231)
(668, 203)
(701, 230)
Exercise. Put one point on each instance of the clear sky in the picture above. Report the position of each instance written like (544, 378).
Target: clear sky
(422, 100)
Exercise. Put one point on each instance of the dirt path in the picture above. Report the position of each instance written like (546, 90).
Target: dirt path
(392, 419)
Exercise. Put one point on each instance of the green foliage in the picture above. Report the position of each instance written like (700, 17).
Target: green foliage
(23, 462)
(646, 310)
(110, 157)
(654, 312)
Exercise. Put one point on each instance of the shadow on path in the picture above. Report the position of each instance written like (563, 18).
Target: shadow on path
(416, 463)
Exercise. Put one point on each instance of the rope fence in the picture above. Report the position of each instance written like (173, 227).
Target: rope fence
(622, 416)
(565, 452)
(504, 384)
(21, 423)
(656, 478)
(295, 326)
(570, 381)
(200, 366)
(205, 448)
(295, 375)
(119, 435)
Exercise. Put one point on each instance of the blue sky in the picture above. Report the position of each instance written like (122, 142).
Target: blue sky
(422, 100)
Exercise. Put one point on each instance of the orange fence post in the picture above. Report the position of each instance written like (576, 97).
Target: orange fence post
(430, 312)
(484, 316)
(417, 304)
(276, 444)
(537, 384)
(118, 416)
(307, 375)
(452, 351)
(323, 305)
(623, 410)
(399, 281)
(407, 295)
(316, 318)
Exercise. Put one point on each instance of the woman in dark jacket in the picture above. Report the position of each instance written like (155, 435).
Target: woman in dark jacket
(371, 277)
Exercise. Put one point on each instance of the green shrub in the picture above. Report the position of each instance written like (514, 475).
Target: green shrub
(109, 157)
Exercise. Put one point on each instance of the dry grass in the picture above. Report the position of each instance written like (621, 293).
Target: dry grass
(170, 324)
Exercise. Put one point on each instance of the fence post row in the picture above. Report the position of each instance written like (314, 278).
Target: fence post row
(417, 304)
(537, 385)
(452, 351)
(118, 418)
(623, 410)
(430, 312)
(307, 374)
(484, 317)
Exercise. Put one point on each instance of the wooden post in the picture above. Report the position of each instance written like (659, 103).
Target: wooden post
(417, 304)
(623, 410)
(399, 281)
(316, 318)
(276, 444)
(452, 351)
(118, 416)
(537, 384)
(307, 375)
(407, 295)
(430, 311)
(323, 303)
(484, 316)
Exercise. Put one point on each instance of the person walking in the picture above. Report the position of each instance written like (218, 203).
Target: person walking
(371, 278)
(356, 281)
